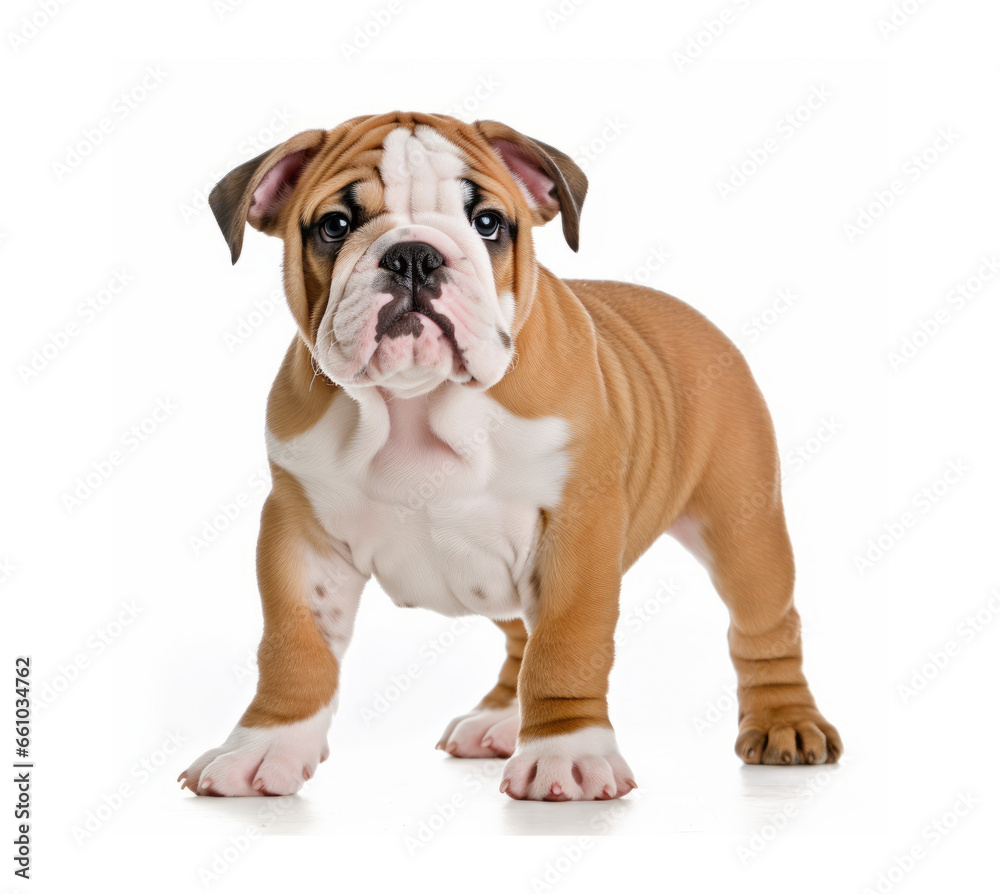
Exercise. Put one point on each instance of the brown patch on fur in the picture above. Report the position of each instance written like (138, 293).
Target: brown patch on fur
(300, 394)
(298, 672)
(505, 690)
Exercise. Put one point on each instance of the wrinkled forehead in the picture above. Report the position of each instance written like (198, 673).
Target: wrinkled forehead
(406, 169)
(421, 172)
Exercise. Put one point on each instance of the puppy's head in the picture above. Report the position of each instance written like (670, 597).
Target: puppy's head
(408, 256)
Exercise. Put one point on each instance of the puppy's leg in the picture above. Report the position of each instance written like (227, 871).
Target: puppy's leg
(566, 747)
(490, 729)
(742, 539)
(310, 595)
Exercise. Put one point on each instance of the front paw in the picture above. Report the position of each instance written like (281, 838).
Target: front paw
(484, 732)
(261, 760)
(785, 736)
(580, 766)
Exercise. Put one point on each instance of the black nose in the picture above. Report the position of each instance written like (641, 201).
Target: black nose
(412, 263)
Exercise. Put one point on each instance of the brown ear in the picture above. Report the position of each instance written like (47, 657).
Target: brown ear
(255, 191)
(551, 181)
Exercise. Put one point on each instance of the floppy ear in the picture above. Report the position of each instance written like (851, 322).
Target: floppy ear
(550, 180)
(255, 191)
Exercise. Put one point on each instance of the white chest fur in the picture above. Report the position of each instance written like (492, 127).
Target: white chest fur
(438, 496)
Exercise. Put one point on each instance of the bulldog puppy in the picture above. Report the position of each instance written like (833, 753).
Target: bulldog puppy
(485, 438)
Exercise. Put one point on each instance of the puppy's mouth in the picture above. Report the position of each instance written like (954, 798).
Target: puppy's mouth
(411, 322)
(416, 336)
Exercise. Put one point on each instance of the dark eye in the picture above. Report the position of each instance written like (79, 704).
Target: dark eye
(487, 224)
(334, 227)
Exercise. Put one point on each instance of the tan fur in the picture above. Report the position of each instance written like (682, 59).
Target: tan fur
(669, 422)
(505, 690)
(666, 421)
(298, 672)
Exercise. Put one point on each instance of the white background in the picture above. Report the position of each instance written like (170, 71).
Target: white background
(659, 126)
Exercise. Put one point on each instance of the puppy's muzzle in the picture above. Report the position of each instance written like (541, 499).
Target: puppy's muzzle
(417, 271)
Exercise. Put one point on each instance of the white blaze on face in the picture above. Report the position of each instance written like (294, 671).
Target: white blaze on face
(421, 170)
(422, 173)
